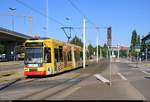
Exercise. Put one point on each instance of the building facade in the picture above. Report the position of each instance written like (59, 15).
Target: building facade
(11, 42)
(145, 47)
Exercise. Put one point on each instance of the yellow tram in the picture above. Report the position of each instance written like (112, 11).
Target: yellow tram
(49, 56)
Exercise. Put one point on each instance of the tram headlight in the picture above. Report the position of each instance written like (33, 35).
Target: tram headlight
(34, 65)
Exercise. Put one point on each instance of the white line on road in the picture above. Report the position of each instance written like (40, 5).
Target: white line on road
(100, 77)
(121, 76)
(145, 72)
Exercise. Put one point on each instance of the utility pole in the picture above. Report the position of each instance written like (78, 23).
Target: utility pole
(100, 53)
(109, 43)
(97, 49)
(110, 64)
(12, 10)
(84, 43)
(46, 18)
(29, 18)
(118, 51)
(30, 25)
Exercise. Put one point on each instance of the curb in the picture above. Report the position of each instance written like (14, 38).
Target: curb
(5, 74)
(10, 63)
(5, 85)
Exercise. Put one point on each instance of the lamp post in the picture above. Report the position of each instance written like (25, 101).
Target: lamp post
(46, 18)
(146, 54)
(12, 10)
(30, 25)
(97, 49)
(118, 51)
(84, 21)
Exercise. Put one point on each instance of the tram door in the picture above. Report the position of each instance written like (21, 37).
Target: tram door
(65, 56)
(58, 59)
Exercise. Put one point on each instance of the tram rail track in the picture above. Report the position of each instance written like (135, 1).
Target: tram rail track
(63, 89)
(33, 94)
(51, 91)
(55, 89)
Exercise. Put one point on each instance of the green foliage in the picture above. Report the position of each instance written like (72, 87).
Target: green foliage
(77, 41)
(138, 40)
(2, 48)
(19, 49)
(135, 40)
(91, 49)
(104, 51)
(123, 53)
(143, 46)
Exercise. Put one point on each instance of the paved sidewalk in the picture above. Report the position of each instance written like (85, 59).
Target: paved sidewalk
(11, 70)
(10, 63)
(101, 91)
(12, 75)
(144, 66)
(93, 89)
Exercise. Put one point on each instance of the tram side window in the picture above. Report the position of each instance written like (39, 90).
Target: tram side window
(60, 53)
(56, 55)
(77, 56)
(69, 56)
(47, 55)
(81, 55)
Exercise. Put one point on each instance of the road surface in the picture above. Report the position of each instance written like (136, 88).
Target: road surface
(127, 83)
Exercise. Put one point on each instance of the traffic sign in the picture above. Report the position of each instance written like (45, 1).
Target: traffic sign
(137, 50)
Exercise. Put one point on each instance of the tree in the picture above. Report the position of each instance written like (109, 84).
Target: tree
(77, 41)
(105, 50)
(91, 49)
(138, 40)
(19, 49)
(123, 53)
(135, 39)
(2, 48)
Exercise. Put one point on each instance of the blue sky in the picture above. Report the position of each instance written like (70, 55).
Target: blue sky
(123, 15)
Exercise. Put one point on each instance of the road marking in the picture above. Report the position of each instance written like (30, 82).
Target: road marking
(100, 77)
(145, 72)
(121, 76)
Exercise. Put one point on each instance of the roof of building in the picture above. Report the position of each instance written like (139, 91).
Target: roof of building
(7, 34)
(146, 37)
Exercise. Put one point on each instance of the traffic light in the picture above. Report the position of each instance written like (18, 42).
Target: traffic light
(109, 36)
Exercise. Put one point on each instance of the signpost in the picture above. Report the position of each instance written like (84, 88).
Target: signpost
(109, 43)
(137, 49)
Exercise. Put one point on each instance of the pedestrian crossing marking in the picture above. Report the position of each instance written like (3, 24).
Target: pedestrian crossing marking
(100, 77)
(121, 76)
(145, 72)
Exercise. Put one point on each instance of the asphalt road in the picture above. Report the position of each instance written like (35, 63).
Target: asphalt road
(42, 88)
(127, 83)
(11, 67)
(137, 77)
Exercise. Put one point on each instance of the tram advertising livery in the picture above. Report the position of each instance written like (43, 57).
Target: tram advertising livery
(49, 56)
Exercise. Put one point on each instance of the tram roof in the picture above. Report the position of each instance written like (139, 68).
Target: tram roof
(51, 39)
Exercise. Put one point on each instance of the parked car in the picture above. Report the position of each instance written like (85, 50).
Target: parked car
(3, 57)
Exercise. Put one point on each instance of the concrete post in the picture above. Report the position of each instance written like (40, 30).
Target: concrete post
(84, 43)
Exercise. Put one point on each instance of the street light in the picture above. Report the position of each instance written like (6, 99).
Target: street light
(146, 54)
(12, 10)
